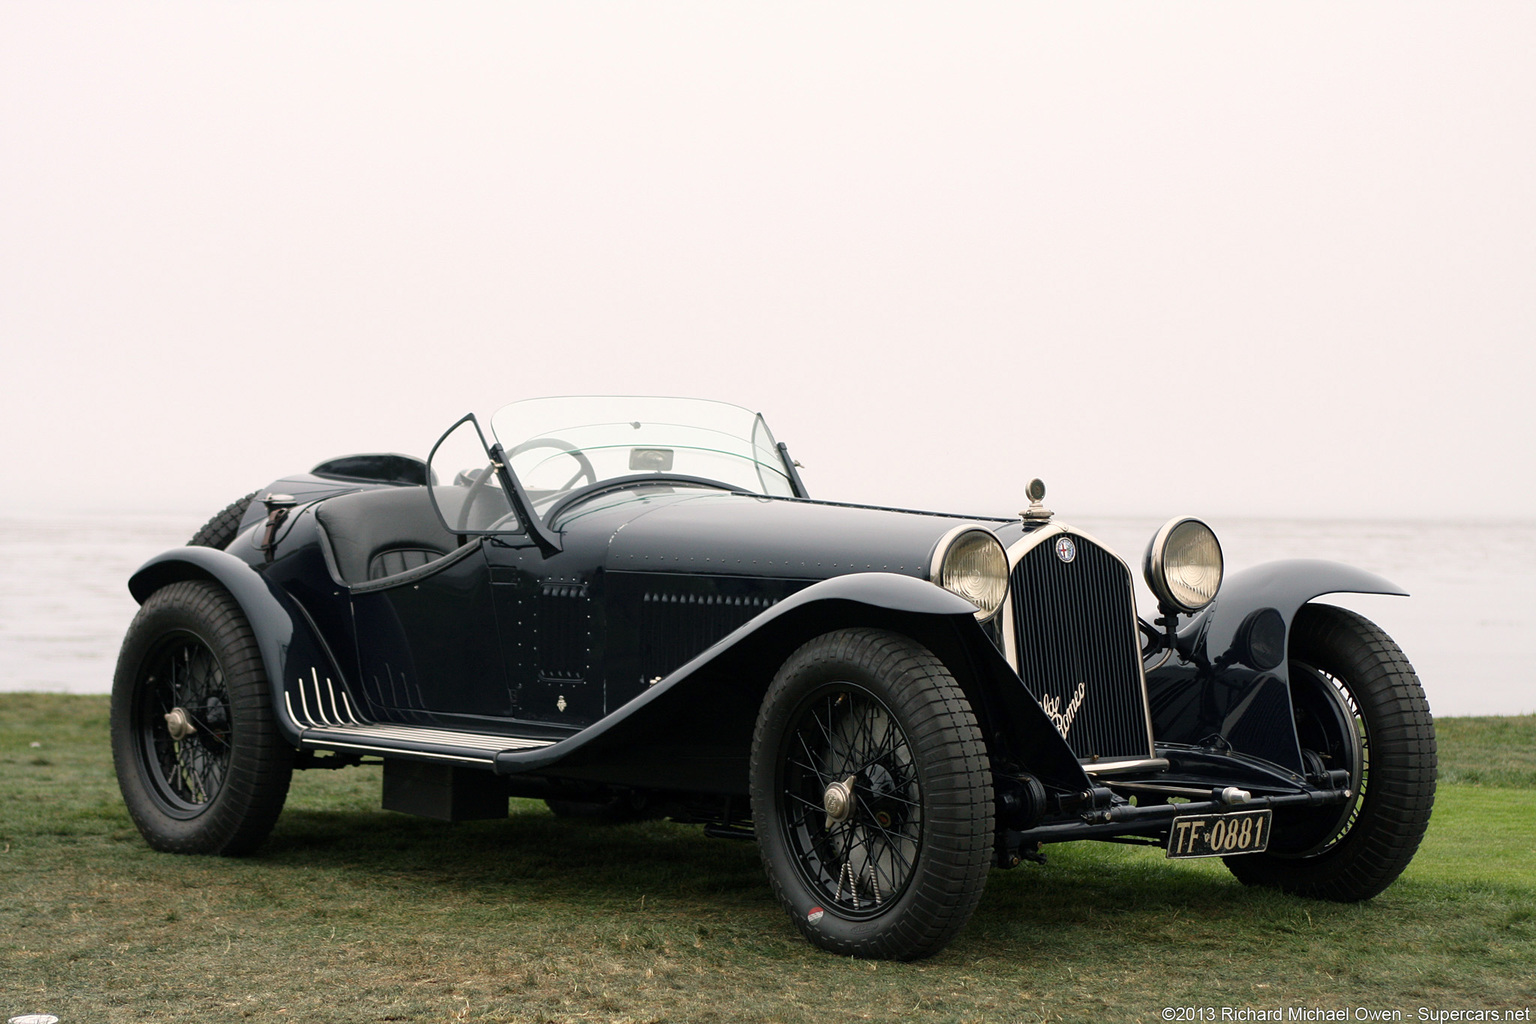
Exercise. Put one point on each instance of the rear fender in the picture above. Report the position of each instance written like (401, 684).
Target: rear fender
(693, 729)
(292, 650)
(1209, 692)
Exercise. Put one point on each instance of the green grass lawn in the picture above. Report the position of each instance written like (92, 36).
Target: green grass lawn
(350, 913)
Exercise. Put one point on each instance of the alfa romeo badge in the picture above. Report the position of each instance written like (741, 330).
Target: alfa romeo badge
(1065, 549)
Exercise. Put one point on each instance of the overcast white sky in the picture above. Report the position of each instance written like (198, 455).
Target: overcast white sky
(1265, 259)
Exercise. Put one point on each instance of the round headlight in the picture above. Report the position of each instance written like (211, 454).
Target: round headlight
(1183, 564)
(974, 566)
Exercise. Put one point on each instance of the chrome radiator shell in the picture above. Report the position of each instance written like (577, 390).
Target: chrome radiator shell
(1069, 628)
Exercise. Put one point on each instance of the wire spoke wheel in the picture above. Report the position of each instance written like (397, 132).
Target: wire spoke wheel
(871, 795)
(201, 763)
(846, 753)
(1358, 708)
(1333, 737)
(182, 725)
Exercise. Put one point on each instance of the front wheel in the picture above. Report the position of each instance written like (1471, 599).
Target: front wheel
(199, 759)
(1358, 707)
(872, 796)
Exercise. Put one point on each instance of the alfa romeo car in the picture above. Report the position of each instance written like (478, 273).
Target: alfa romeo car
(632, 606)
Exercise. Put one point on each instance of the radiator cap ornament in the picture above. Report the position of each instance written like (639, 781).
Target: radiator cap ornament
(1036, 510)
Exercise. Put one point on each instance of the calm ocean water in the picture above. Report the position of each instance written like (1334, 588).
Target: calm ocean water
(64, 602)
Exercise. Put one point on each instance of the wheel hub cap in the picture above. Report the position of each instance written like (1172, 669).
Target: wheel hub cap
(179, 723)
(837, 801)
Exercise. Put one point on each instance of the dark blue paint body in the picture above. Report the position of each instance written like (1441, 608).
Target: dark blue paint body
(289, 642)
(1206, 696)
(642, 644)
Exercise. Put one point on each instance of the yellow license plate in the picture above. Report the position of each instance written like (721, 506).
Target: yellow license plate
(1220, 835)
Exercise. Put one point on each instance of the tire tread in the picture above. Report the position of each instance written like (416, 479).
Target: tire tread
(255, 786)
(957, 791)
(1400, 790)
(218, 531)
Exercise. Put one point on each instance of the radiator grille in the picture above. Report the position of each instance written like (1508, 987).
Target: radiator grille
(1075, 630)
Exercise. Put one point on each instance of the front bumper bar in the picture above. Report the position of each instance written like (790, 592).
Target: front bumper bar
(1126, 820)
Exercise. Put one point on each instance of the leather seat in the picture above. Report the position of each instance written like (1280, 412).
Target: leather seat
(378, 533)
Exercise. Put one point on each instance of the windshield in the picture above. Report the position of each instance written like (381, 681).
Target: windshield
(558, 444)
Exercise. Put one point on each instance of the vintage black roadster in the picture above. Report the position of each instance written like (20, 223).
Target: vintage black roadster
(631, 606)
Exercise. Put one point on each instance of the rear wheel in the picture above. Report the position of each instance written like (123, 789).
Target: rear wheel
(872, 796)
(1359, 708)
(224, 526)
(199, 759)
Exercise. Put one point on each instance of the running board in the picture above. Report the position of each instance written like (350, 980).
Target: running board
(416, 742)
(326, 719)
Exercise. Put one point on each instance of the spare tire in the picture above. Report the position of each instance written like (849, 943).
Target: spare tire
(225, 524)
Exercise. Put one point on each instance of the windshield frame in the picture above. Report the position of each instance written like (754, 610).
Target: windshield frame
(533, 511)
(524, 521)
(606, 439)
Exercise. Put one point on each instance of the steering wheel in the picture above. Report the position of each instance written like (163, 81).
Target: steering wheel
(476, 489)
(584, 464)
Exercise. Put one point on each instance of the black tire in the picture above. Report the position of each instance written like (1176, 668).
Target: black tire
(1347, 676)
(220, 787)
(224, 526)
(899, 875)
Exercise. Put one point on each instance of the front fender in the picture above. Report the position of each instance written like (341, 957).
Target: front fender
(1285, 586)
(693, 729)
(1207, 694)
(290, 646)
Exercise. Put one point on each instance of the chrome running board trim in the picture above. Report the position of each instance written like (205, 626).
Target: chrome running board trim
(340, 712)
(416, 741)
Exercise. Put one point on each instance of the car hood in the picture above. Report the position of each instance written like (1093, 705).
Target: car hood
(733, 534)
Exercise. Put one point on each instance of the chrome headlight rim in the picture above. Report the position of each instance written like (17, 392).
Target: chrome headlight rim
(1181, 596)
(989, 589)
